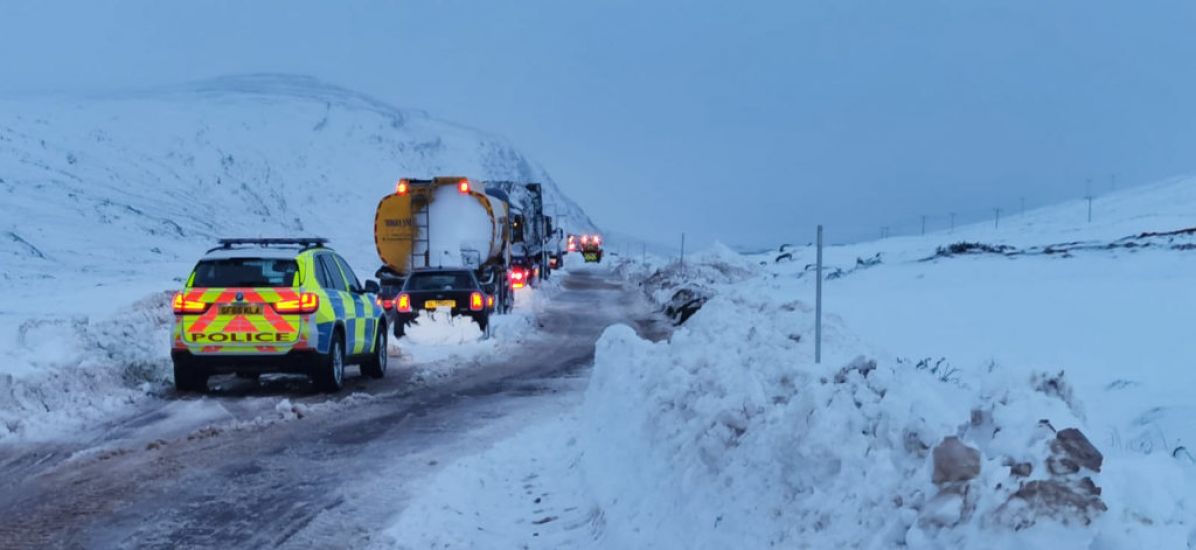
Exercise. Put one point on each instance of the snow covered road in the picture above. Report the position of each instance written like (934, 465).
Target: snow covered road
(272, 465)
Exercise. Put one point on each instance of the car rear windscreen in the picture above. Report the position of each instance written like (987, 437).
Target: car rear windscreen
(451, 280)
(245, 272)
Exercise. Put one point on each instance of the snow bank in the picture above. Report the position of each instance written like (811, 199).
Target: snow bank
(729, 436)
(78, 370)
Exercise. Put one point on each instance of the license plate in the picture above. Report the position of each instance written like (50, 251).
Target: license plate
(436, 304)
(240, 310)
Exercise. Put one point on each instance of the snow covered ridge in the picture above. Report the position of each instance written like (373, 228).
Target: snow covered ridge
(729, 436)
(107, 201)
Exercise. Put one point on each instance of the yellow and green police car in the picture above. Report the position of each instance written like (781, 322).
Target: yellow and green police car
(254, 306)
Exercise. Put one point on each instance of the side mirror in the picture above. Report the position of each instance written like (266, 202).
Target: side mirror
(371, 287)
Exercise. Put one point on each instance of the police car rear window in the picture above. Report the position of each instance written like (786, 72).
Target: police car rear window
(440, 281)
(245, 272)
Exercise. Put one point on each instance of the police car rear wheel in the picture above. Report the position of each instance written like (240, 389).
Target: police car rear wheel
(330, 376)
(375, 366)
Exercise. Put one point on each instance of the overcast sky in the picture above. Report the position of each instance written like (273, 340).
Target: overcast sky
(746, 122)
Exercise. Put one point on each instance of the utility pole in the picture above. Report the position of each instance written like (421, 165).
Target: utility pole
(818, 305)
(923, 224)
(1089, 197)
(997, 219)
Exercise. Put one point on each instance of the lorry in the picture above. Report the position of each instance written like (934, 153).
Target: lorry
(530, 230)
(439, 223)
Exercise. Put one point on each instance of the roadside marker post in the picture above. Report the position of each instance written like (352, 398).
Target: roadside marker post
(818, 305)
(683, 252)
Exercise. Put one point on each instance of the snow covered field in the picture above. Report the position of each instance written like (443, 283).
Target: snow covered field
(1036, 396)
(107, 201)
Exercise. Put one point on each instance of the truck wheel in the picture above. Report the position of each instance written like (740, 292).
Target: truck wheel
(188, 378)
(329, 376)
(375, 366)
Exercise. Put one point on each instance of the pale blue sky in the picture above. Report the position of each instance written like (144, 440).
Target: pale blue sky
(747, 122)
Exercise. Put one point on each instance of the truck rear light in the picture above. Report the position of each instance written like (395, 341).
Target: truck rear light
(403, 303)
(463, 187)
(307, 302)
(518, 277)
(182, 304)
(476, 301)
(402, 187)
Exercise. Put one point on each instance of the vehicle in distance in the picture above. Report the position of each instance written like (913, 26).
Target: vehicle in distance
(590, 247)
(454, 290)
(254, 306)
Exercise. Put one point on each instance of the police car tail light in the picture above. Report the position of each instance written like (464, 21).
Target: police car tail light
(403, 303)
(385, 303)
(476, 301)
(307, 302)
(183, 305)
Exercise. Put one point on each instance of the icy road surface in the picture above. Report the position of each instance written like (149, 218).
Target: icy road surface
(228, 470)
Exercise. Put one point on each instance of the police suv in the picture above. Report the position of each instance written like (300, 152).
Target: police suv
(254, 306)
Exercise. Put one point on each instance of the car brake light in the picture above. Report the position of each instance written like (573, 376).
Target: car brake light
(401, 187)
(476, 301)
(403, 303)
(182, 304)
(307, 302)
(463, 187)
(585, 239)
(489, 301)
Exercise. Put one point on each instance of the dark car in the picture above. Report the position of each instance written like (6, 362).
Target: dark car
(447, 289)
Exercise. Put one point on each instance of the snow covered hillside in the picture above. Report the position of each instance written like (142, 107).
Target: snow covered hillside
(1028, 387)
(105, 203)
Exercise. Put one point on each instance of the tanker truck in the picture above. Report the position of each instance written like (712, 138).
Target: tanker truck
(444, 222)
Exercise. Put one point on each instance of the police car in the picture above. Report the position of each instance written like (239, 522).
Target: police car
(254, 306)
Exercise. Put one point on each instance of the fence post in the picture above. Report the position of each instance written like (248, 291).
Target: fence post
(818, 305)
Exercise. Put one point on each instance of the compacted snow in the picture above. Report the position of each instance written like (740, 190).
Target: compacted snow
(1033, 396)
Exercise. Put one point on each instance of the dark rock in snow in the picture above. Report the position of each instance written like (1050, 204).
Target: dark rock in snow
(1022, 469)
(1061, 500)
(954, 461)
(859, 364)
(1072, 449)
